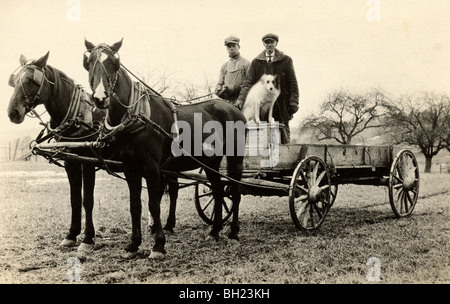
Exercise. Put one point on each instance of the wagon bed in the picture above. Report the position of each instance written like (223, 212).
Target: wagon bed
(309, 174)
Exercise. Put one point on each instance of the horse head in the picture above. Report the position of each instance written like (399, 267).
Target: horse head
(103, 64)
(28, 84)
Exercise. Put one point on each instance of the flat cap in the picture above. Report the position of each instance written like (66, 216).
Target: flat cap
(270, 36)
(232, 39)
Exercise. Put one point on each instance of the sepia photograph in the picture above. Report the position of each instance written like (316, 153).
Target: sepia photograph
(225, 148)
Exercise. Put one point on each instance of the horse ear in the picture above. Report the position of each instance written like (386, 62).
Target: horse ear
(41, 62)
(89, 45)
(116, 46)
(22, 59)
(85, 62)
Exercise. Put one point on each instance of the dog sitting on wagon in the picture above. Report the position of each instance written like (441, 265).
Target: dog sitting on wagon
(274, 62)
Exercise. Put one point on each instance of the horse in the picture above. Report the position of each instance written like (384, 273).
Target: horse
(73, 116)
(145, 142)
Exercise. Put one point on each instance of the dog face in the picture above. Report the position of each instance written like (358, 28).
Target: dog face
(270, 82)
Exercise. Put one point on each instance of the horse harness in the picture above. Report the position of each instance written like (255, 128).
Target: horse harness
(138, 114)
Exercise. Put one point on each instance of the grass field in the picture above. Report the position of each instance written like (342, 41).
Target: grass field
(35, 216)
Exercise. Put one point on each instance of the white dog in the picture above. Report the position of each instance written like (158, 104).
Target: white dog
(261, 98)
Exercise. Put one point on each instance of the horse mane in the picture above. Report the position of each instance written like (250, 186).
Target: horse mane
(63, 89)
(61, 80)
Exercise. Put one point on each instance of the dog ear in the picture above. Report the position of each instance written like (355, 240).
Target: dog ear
(263, 78)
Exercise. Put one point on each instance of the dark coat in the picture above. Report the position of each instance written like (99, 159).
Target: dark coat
(282, 66)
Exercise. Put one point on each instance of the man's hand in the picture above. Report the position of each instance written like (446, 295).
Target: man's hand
(239, 104)
(293, 108)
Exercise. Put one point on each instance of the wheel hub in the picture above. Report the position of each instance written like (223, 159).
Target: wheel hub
(409, 182)
(314, 194)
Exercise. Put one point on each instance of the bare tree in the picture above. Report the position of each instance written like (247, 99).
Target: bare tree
(190, 92)
(345, 115)
(159, 81)
(422, 120)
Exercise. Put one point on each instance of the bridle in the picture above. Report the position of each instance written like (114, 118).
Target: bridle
(38, 78)
(111, 82)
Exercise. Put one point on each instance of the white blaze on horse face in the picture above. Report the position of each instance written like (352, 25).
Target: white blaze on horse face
(100, 91)
(103, 57)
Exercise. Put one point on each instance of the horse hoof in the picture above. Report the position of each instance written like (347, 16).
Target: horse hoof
(214, 238)
(67, 243)
(233, 237)
(168, 229)
(156, 255)
(128, 255)
(233, 241)
(85, 248)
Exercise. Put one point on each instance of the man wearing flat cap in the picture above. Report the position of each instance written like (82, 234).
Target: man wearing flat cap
(273, 61)
(232, 72)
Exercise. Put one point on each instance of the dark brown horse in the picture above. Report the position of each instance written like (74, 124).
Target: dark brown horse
(146, 147)
(73, 118)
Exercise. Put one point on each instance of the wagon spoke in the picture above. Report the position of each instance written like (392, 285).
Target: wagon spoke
(400, 175)
(401, 197)
(208, 203)
(321, 175)
(303, 197)
(304, 179)
(314, 173)
(408, 201)
(396, 186)
(316, 207)
(301, 210)
(225, 206)
(205, 194)
(398, 178)
(324, 187)
(302, 188)
(311, 214)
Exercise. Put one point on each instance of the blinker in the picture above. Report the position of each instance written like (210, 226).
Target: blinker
(11, 81)
(38, 76)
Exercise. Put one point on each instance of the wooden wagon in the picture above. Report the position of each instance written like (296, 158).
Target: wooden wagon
(308, 174)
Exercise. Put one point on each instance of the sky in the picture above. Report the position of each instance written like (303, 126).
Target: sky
(399, 46)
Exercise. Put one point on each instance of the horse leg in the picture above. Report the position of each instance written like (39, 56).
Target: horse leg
(155, 192)
(74, 175)
(134, 182)
(173, 195)
(87, 244)
(218, 193)
(235, 168)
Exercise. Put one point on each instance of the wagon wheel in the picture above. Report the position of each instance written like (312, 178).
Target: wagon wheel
(403, 183)
(310, 193)
(204, 203)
